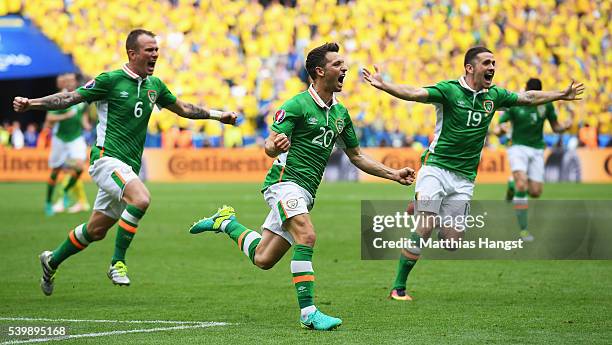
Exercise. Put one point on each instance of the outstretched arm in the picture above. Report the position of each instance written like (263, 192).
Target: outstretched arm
(366, 164)
(533, 97)
(60, 100)
(194, 112)
(405, 92)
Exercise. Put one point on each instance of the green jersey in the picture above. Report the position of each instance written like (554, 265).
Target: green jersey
(71, 128)
(462, 121)
(528, 123)
(124, 102)
(313, 128)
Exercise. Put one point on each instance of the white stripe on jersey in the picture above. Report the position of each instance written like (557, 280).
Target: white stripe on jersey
(102, 107)
(438, 130)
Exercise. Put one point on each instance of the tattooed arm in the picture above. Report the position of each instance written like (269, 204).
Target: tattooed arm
(533, 97)
(194, 112)
(61, 100)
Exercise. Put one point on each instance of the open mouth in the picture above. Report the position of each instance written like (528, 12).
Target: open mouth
(151, 65)
(488, 76)
(341, 79)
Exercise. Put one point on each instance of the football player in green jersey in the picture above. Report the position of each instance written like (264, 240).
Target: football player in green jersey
(464, 110)
(125, 99)
(68, 147)
(526, 154)
(302, 138)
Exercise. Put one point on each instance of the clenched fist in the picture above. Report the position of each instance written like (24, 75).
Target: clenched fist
(21, 104)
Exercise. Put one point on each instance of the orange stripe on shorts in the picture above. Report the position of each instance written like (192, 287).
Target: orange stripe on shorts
(127, 227)
(305, 278)
(119, 176)
(521, 207)
(75, 241)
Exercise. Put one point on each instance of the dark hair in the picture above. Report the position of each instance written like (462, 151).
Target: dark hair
(131, 43)
(316, 57)
(471, 54)
(534, 84)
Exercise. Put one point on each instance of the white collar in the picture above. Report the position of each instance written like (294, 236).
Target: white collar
(465, 85)
(131, 73)
(315, 96)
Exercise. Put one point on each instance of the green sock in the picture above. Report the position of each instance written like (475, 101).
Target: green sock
(78, 239)
(73, 180)
(521, 208)
(404, 266)
(51, 186)
(246, 239)
(303, 277)
(511, 185)
(128, 224)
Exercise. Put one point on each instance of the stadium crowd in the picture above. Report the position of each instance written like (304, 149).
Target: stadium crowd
(248, 55)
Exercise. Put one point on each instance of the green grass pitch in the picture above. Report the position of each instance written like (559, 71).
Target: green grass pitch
(178, 276)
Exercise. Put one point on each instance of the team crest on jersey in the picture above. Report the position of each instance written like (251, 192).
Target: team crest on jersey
(313, 121)
(152, 94)
(488, 105)
(292, 204)
(90, 84)
(279, 116)
(340, 125)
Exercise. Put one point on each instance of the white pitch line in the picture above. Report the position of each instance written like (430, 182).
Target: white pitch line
(103, 321)
(103, 334)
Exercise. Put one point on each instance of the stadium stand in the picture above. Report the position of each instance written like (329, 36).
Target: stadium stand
(247, 56)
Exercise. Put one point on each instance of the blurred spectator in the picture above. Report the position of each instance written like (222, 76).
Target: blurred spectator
(5, 136)
(587, 136)
(44, 138)
(184, 139)
(31, 135)
(17, 139)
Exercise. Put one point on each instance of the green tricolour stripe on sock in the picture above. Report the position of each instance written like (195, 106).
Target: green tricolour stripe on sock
(135, 211)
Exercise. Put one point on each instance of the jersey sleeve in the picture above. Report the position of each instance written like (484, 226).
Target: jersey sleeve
(348, 137)
(551, 114)
(505, 98)
(286, 118)
(165, 96)
(437, 93)
(96, 89)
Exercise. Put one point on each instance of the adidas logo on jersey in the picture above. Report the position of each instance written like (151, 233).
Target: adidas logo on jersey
(123, 94)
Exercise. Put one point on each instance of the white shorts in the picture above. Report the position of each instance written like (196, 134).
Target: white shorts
(286, 200)
(62, 152)
(527, 159)
(111, 175)
(443, 192)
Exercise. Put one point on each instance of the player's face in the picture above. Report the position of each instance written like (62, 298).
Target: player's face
(483, 70)
(70, 82)
(144, 59)
(334, 71)
(60, 81)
